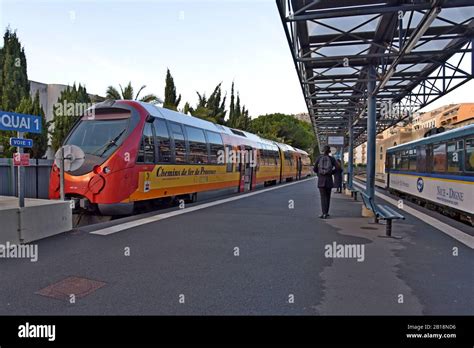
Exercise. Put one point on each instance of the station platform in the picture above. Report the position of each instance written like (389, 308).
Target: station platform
(262, 253)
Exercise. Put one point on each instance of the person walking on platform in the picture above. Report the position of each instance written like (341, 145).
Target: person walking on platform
(324, 167)
(338, 176)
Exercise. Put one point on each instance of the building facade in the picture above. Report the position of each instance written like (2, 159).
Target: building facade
(448, 116)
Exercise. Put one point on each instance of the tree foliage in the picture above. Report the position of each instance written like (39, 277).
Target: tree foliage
(286, 129)
(171, 101)
(211, 109)
(14, 85)
(32, 106)
(63, 120)
(128, 93)
(238, 116)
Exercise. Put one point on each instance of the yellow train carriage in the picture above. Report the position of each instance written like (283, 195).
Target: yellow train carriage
(180, 156)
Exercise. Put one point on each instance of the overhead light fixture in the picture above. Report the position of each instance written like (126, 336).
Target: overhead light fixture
(414, 40)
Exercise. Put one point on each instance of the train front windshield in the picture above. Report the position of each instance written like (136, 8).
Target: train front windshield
(99, 137)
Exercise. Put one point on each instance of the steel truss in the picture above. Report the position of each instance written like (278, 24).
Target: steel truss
(419, 51)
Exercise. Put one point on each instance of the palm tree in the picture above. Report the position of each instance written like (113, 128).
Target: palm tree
(127, 93)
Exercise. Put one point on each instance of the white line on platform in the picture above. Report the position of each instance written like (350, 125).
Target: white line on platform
(460, 236)
(126, 225)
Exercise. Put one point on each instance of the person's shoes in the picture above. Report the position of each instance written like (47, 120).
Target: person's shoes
(327, 215)
(322, 216)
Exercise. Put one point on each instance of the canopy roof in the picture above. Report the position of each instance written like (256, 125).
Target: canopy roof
(421, 50)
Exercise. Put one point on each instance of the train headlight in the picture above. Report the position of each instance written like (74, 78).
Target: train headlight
(106, 170)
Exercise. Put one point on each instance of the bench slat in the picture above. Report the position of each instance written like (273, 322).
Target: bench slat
(381, 211)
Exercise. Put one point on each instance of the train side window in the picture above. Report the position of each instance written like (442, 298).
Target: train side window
(197, 145)
(429, 158)
(261, 152)
(162, 141)
(266, 155)
(216, 145)
(439, 157)
(469, 157)
(229, 164)
(412, 159)
(288, 160)
(146, 153)
(421, 159)
(179, 143)
(404, 163)
(454, 156)
(398, 160)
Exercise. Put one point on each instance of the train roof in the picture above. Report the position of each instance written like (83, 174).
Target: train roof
(452, 133)
(189, 120)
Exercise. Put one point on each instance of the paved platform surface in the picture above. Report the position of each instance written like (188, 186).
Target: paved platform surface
(281, 267)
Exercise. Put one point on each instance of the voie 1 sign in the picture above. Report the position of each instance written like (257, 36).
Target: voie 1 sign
(12, 121)
(20, 142)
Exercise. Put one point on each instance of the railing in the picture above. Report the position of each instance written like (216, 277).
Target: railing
(36, 178)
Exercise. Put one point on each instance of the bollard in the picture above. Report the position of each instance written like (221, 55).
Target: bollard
(388, 230)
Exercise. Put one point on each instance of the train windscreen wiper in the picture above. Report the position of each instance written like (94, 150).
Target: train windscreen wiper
(109, 144)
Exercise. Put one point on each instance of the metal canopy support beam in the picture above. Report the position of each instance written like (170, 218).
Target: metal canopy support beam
(350, 167)
(371, 131)
(416, 59)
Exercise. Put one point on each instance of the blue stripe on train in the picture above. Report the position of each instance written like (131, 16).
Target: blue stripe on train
(433, 175)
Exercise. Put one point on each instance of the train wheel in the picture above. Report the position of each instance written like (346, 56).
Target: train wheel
(190, 198)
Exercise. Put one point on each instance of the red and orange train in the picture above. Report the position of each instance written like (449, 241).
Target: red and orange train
(138, 152)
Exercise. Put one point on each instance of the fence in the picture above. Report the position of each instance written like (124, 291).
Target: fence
(36, 178)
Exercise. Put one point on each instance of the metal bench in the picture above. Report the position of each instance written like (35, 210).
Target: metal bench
(382, 212)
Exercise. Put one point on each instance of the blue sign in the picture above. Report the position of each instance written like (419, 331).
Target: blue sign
(20, 142)
(11, 121)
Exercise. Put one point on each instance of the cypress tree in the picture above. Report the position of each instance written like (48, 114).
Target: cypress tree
(14, 85)
(171, 101)
(231, 121)
(13, 73)
(237, 113)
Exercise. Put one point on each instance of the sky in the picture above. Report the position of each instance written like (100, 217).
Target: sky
(203, 42)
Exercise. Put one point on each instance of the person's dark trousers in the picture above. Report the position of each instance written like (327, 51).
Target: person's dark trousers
(325, 194)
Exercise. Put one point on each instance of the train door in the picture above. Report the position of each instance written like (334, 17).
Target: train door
(299, 167)
(246, 169)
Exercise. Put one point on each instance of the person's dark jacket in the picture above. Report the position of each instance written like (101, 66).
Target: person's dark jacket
(325, 180)
(338, 176)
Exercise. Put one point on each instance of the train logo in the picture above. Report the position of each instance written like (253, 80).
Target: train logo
(420, 185)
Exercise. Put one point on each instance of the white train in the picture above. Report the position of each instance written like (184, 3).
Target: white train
(436, 171)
